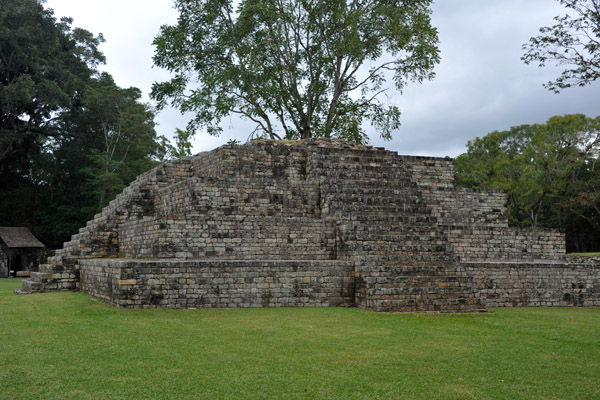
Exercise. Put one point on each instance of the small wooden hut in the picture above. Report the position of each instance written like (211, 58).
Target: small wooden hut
(20, 251)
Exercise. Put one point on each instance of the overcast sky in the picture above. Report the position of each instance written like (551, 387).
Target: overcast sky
(481, 83)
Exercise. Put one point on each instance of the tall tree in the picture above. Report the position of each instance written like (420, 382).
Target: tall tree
(113, 140)
(128, 143)
(536, 164)
(43, 65)
(296, 68)
(574, 41)
(70, 138)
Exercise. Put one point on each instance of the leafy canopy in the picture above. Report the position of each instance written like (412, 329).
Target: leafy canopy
(537, 164)
(70, 138)
(573, 41)
(296, 68)
(43, 65)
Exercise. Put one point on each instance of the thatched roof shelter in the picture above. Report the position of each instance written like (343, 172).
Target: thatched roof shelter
(15, 237)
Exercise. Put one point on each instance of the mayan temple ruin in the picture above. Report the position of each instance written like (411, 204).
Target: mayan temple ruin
(313, 223)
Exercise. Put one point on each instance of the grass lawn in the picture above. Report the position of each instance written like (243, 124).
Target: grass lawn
(70, 346)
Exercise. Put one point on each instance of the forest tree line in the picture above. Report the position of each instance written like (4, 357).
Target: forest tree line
(70, 138)
(550, 172)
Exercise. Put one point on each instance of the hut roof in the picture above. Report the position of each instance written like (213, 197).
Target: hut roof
(18, 237)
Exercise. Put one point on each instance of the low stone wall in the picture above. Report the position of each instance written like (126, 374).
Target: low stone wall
(234, 196)
(508, 284)
(579, 259)
(218, 284)
(241, 238)
(493, 244)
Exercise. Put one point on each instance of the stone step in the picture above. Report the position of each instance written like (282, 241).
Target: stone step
(408, 257)
(382, 178)
(398, 204)
(375, 223)
(64, 257)
(404, 253)
(268, 210)
(40, 276)
(391, 264)
(401, 273)
(403, 236)
(30, 285)
(354, 156)
(384, 220)
(394, 170)
(402, 223)
(385, 263)
(401, 283)
(413, 305)
(365, 211)
(392, 242)
(395, 238)
(421, 293)
(401, 253)
(352, 183)
(384, 191)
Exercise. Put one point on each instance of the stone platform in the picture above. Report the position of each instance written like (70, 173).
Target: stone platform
(311, 223)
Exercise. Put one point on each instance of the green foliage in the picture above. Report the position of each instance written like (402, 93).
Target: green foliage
(183, 142)
(126, 142)
(43, 65)
(113, 141)
(547, 169)
(307, 68)
(574, 41)
(70, 138)
(81, 348)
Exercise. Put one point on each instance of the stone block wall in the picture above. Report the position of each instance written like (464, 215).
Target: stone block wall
(508, 284)
(233, 237)
(463, 207)
(476, 220)
(269, 161)
(140, 238)
(211, 163)
(239, 196)
(214, 284)
(316, 222)
(385, 284)
(478, 244)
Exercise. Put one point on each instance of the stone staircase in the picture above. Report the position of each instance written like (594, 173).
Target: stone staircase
(403, 260)
(306, 204)
(99, 238)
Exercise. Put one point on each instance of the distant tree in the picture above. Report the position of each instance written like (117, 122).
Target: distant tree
(578, 211)
(113, 141)
(128, 143)
(183, 144)
(536, 164)
(43, 65)
(573, 41)
(70, 138)
(296, 68)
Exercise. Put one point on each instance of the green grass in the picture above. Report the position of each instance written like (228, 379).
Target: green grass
(584, 254)
(70, 346)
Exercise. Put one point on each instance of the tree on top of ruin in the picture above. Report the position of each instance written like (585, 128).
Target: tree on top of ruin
(296, 68)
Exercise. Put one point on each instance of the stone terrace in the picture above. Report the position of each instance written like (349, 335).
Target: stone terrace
(313, 223)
